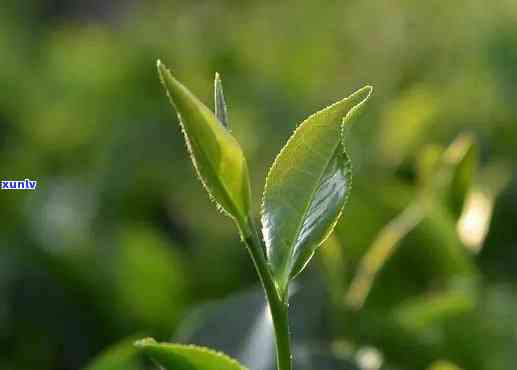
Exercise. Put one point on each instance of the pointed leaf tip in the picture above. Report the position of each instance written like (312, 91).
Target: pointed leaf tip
(357, 100)
(216, 155)
(306, 189)
(221, 111)
(161, 68)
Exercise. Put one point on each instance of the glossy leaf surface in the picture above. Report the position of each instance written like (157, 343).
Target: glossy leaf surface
(306, 188)
(172, 356)
(217, 156)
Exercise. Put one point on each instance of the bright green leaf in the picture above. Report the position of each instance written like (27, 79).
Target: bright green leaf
(217, 156)
(306, 188)
(172, 356)
(221, 112)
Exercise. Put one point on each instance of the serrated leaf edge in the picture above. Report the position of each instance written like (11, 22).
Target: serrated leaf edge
(353, 110)
(194, 161)
(151, 342)
(348, 185)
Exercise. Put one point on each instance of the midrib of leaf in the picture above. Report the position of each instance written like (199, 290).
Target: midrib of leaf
(348, 178)
(200, 106)
(226, 194)
(285, 279)
(325, 111)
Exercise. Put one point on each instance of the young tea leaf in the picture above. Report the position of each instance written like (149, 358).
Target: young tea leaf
(221, 112)
(216, 155)
(172, 356)
(306, 188)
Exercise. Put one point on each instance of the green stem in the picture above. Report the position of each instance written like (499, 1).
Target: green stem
(278, 307)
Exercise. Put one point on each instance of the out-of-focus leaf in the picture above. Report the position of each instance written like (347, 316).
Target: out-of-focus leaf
(306, 188)
(407, 123)
(332, 259)
(216, 155)
(221, 112)
(428, 162)
(241, 325)
(443, 365)
(121, 356)
(437, 235)
(172, 356)
(419, 313)
(448, 174)
(383, 247)
(148, 275)
(462, 157)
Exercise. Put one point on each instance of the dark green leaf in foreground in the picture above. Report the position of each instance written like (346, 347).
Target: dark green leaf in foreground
(172, 356)
(121, 356)
(306, 188)
(221, 112)
(217, 156)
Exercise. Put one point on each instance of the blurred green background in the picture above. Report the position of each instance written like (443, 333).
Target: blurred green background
(119, 240)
